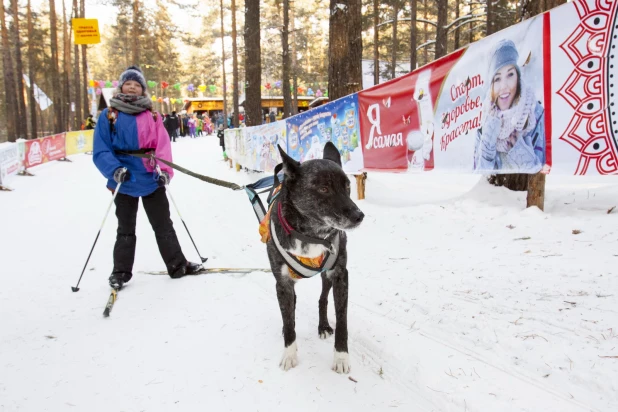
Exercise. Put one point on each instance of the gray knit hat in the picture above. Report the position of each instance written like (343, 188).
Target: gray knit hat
(132, 73)
(503, 54)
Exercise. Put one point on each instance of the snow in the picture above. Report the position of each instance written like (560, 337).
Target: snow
(460, 300)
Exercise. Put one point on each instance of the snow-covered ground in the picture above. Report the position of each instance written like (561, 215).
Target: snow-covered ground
(460, 300)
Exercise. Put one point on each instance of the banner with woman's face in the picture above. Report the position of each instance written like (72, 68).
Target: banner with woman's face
(539, 96)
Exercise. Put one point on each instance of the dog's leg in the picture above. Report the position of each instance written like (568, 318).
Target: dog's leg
(287, 304)
(324, 329)
(341, 363)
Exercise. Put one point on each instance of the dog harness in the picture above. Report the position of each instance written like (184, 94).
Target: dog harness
(299, 267)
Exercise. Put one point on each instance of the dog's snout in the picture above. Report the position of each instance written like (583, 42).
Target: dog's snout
(357, 216)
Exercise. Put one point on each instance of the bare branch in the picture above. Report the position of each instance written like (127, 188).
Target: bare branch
(467, 16)
(408, 19)
(466, 22)
(430, 42)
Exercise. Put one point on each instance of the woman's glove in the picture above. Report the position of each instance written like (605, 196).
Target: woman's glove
(121, 175)
(164, 179)
(491, 130)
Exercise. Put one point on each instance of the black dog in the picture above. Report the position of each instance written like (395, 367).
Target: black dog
(308, 219)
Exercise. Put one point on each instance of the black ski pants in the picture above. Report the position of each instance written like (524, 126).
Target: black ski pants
(157, 209)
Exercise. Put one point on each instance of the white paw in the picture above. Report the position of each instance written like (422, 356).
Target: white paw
(325, 334)
(341, 362)
(290, 357)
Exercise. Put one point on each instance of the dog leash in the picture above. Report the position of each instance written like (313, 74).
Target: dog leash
(150, 155)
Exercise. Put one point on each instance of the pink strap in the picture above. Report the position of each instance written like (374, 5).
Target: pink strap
(286, 226)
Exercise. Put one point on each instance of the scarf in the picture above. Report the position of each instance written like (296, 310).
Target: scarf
(130, 103)
(517, 121)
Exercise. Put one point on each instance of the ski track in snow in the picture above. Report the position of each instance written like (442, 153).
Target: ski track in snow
(460, 300)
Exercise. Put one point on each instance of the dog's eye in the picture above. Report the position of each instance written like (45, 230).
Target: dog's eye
(323, 189)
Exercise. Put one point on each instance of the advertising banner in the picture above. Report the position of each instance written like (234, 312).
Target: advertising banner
(539, 96)
(233, 141)
(44, 150)
(336, 122)
(9, 162)
(79, 142)
(397, 118)
(584, 61)
(260, 151)
(490, 115)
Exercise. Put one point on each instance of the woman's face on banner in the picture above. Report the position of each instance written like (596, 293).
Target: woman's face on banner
(132, 87)
(504, 86)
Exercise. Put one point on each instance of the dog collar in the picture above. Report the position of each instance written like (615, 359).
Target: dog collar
(300, 264)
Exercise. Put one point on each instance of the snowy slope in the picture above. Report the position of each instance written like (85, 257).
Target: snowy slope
(460, 300)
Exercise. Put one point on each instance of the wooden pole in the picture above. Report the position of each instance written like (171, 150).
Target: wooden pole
(360, 185)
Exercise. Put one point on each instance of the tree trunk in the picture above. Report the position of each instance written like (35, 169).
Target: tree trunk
(457, 41)
(395, 44)
(135, 34)
(22, 123)
(345, 51)
(293, 63)
(234, 66)
(253, 62)
(9, 80)
(76, 78)
(376, 49)
(345, 48)
(426, 48)
(223, 68)
(441, 31)
(67, 71)
(490, 27)
(55, 76)
(31, 69)
(285, 67)
(413, 35)
(82, 14)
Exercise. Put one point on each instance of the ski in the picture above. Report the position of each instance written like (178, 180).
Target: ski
(110, 302)
(213, 270)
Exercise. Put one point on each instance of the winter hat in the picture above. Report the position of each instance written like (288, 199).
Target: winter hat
(132, 73)
(503, 54)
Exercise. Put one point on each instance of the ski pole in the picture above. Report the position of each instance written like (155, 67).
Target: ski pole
(167, 187)
(76, 287)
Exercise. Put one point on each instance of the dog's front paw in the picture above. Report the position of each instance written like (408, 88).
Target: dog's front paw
(341, 363)
(325, 331)
(290, 357)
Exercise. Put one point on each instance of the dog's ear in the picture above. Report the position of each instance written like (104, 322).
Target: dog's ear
(290, 166)
(331, 153)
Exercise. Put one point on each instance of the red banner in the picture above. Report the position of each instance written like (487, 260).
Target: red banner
(44, 150)
(396, 118)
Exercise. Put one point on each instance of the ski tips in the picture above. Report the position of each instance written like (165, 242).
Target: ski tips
(74, 289)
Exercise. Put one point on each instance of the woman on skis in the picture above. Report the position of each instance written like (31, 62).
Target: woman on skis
(130, 125)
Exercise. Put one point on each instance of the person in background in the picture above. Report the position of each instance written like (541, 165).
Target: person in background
(173, 124)
(130, 125)
(90, 123)
(221, 136)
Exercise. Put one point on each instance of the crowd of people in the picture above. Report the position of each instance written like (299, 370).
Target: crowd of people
(191, 124)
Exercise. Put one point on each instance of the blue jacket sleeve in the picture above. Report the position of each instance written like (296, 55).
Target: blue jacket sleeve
(103, 153)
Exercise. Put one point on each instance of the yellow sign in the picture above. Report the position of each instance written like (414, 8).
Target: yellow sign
(86, 31)
(207, 105)
(79, 142)
(272, 103)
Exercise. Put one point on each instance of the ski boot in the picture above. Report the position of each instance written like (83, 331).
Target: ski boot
(189, 268)
(118, 279)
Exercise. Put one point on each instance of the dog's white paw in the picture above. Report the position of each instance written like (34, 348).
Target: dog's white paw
(341, 362)
(325, 334)
(290, 357)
